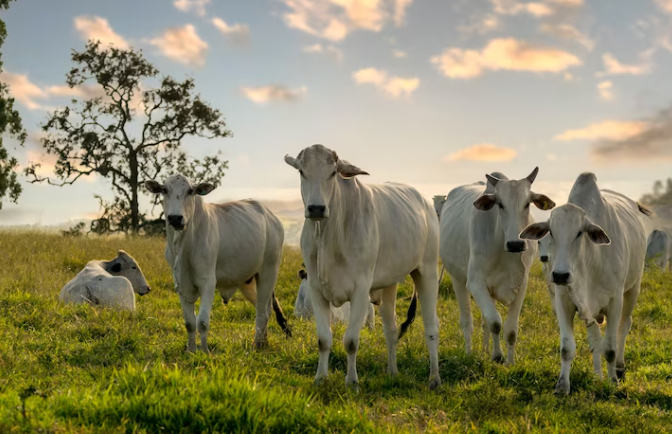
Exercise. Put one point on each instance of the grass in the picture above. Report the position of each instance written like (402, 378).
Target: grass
(78, 369)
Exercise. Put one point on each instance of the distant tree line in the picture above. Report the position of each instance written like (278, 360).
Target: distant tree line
(661, 195)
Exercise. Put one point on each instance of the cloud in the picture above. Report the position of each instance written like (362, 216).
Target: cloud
(330, 50)
(23, 90)
(605, 130)
(335, 19)
(97, 28)
(182, 45)
(482, 152)
(393, 86)
(605, 88)
(568, 32)
(650, 141)
(480, 25)
(264, 94)
(399, 54)
(503, 54)
(198, 6)
(614, 67)
(238, 33)
(665, 5)
(508, 7)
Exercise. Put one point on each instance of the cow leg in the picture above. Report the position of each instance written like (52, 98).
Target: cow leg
(610, 343)
(565, 311)
(486, 335)
(358, 310)
(441, 275)
(389, 316)
(492, 317)
(323, 322)
(189, 322)
(466, 318)
(266, 280)
(511, 323)
(629, 300)
(371, 315)
(206, 286)
(428, 292)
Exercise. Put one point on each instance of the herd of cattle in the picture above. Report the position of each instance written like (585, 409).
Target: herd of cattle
(359, 241)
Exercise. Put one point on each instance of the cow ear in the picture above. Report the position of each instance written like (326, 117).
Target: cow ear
(542, 201)
(291, 161)
(485, 202)
(535, 231)
(348, 170)
(116, 267)
(154, 187)
(203, 188)
(596, 234)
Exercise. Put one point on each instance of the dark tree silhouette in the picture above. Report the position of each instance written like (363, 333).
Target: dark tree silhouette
(660, 195)
(10, 123)
(105, 134)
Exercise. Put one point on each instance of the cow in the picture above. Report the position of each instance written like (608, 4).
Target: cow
(107, 283)
(228, 246)
(597, 251)
(439, 200)
(659, 248)
(484, 256)
(303, 307)
(544, 245)
(358, 241)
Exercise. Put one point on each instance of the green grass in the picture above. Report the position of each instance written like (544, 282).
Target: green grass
(79, 369)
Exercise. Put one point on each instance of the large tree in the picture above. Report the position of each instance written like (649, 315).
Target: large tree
(126, 132)
(10, 122)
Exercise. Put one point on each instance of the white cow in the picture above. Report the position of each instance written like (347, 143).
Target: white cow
(107, 283)
(544, 245)
(439, 200)
(229, 246)
(659, 248)
(594, 273)
(359, 239)
(484, 256)
(303, 307)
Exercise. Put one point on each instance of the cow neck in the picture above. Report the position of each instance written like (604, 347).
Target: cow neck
(181, 240)
(330, 231)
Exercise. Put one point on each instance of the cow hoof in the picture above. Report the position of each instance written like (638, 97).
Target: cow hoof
(620, 372)
(434, 383)
(392, 371)
(352, 387)
(614, 380)
(498, 358)
(191, 348)
(260, 345)
(561, 388)
(319, 380)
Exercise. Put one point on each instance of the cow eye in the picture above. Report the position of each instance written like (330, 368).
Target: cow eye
(134, 267)
(579, 234)
(301, 173)
(501, 206)
(190, 191)
(165, 190)
(332, 175)
(527, 206)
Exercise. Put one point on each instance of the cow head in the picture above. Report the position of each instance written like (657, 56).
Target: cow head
(439, 200)
(569, 228)
(544, 246)
(178, 198)
(125, 265)
(512, 199)
(318, 167)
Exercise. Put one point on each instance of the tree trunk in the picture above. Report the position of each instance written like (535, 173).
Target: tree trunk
(135, 217)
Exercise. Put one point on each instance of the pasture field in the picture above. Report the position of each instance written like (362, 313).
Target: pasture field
(66, 369)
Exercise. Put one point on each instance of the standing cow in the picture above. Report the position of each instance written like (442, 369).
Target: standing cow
(597, 251)
(362, 238)
(484, 255)
(659, 248)
(229, 246)
(544, 246)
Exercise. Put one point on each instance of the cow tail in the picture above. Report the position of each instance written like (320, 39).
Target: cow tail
(410, 316)
(644, 210)
(280, 317)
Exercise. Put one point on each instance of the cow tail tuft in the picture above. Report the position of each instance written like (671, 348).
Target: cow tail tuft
(410, 316)
(280, 317)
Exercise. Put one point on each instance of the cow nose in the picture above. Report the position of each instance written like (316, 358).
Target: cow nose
(515, 246)
(561, 277)
(544, 258)
(175, 221)
(316, 211)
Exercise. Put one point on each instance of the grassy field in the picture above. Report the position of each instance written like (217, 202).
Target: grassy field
(66, 369)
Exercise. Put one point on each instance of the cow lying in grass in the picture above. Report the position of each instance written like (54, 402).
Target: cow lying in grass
(303, 308)
(107, 283)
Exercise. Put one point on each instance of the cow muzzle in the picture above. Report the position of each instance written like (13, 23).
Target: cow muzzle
(145, 291)
(544, 258)
(177, 222)
(316, 212)
(516, 246)
(562, 277)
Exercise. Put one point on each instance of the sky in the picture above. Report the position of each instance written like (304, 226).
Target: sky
(432, 93)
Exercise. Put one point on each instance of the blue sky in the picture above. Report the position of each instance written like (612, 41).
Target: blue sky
(433, 93)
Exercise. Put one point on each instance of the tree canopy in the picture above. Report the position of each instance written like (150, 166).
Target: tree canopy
(126, 132)
(10, 124)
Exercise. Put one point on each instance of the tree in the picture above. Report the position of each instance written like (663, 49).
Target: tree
(10, 122)
(96, 135)
(659, 197)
